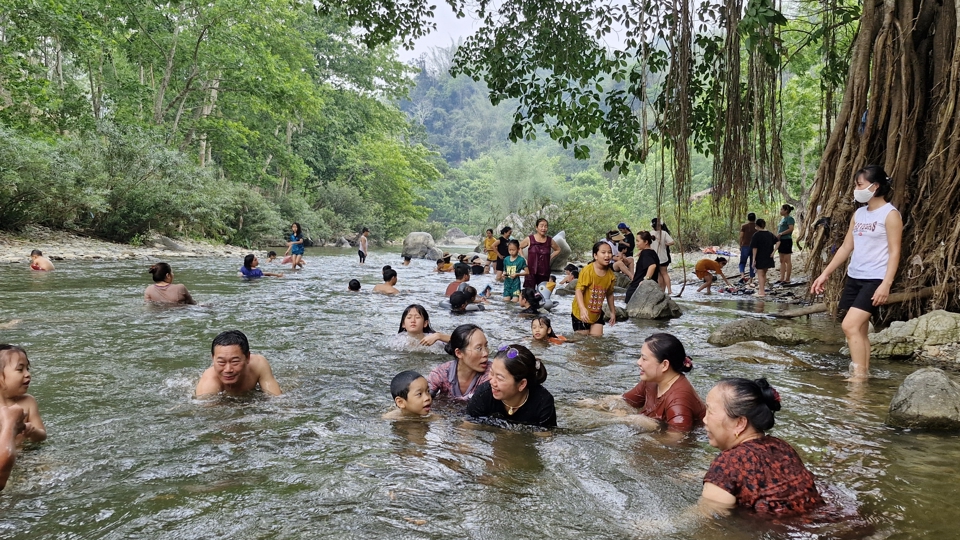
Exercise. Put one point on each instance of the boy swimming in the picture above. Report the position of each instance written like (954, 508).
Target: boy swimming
(411, 395)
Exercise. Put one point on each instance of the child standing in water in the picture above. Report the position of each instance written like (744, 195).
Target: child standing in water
(411, 395)
(514, 267)
(362, 251)
(295, 246)
(14, 383)
(593, 286)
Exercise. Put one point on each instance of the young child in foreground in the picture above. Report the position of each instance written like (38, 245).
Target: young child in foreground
(411, 395)
(14, 383)
(542, 331)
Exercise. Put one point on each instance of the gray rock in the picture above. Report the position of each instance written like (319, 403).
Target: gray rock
(420, 245)
(927, 399)
(650, 302)
(622, 281)
(907, 338)
(622, 314)
(343, 243)
(751, 329)
(455, 233)
(561, 260)
(162, 242)
(757, 352)
(568, 289)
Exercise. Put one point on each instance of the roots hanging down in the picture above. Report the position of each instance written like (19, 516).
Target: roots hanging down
(900, 110)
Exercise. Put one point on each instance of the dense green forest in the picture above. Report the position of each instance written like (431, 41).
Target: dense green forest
(231, 120)
(225, 120)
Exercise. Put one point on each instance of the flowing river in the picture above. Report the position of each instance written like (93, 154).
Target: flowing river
(131, 454)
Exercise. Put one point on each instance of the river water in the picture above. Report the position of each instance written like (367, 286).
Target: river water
(131, 454)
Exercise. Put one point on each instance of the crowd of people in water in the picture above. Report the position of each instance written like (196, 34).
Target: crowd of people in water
(753, 470)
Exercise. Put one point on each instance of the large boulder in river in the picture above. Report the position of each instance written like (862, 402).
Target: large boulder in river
(757, 352)
(557, 264)
(567, 289)
(622, 314)
(927, 399)
(420, 245)
(650, 302)
(907, 338)
(456, 237)
(752, 329)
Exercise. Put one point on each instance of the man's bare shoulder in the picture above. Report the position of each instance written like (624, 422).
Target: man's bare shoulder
(208, 383)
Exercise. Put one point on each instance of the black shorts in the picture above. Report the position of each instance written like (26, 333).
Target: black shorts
(786, 246)
(765, 264)
(858, 293)
(363, 256)
(499, 265)
(580, 325)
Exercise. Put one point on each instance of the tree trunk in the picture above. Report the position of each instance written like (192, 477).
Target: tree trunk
(900, 111)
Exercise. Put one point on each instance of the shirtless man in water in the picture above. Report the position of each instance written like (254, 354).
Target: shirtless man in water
(39, 262)
(234, 370)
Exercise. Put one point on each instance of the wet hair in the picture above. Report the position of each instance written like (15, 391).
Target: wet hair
(552, 278)
(159, 271)
(533, 297)
(8, 352)
(537, 224)
(470, 292)
(354, 285)
(490, 231)
(573, 269)
(545, 321)
(231, 337)
(271, 254)
(787, 207)
(876, 175)
(754, 400)
(36, 252)
(458, 300)
(751, 217)
(460, 338)
(505, 230)
(439, 262)
(400, 385)
(762, 223)
(248, 261)
(515, 243)
(646, 237)
(299, 233)
(667, 347)
(389, 273)
(364, 230)
(406, 258)
(423, 313)
(721, 260)
(524, 365)
(460, 271)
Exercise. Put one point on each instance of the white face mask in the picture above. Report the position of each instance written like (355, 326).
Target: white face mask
(863, 195)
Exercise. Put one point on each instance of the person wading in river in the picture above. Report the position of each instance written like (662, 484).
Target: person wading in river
(234, 370)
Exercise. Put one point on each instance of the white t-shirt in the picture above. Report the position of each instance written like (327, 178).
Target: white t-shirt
(870, 250)
(661, 247)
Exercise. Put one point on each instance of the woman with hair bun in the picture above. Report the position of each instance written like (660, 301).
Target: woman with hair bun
(664, 393)
(754, 470)
(872, 244)
(163, 289)
(515, 391)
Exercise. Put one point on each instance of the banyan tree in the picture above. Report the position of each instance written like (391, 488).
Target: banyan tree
(661, 79)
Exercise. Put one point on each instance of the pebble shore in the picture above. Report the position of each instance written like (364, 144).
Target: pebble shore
(61, 245)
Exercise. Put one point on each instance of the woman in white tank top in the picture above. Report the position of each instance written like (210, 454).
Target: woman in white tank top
(873, 240)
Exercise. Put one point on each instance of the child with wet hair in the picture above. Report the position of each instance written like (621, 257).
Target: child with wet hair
(353, 285)
(14, 383)
(542, 330)
(411, 395)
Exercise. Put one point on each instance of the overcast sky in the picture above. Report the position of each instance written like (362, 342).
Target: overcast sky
(449, 30)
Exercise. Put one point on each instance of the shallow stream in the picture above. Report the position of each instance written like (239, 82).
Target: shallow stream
(131, 454)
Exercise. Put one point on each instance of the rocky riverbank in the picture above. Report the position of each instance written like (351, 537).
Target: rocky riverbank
(61, 245)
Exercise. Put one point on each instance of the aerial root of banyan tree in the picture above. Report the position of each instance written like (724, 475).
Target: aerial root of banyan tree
(901, 110)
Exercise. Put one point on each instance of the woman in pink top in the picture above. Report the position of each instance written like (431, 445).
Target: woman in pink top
(163, 289)
(460, 377)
